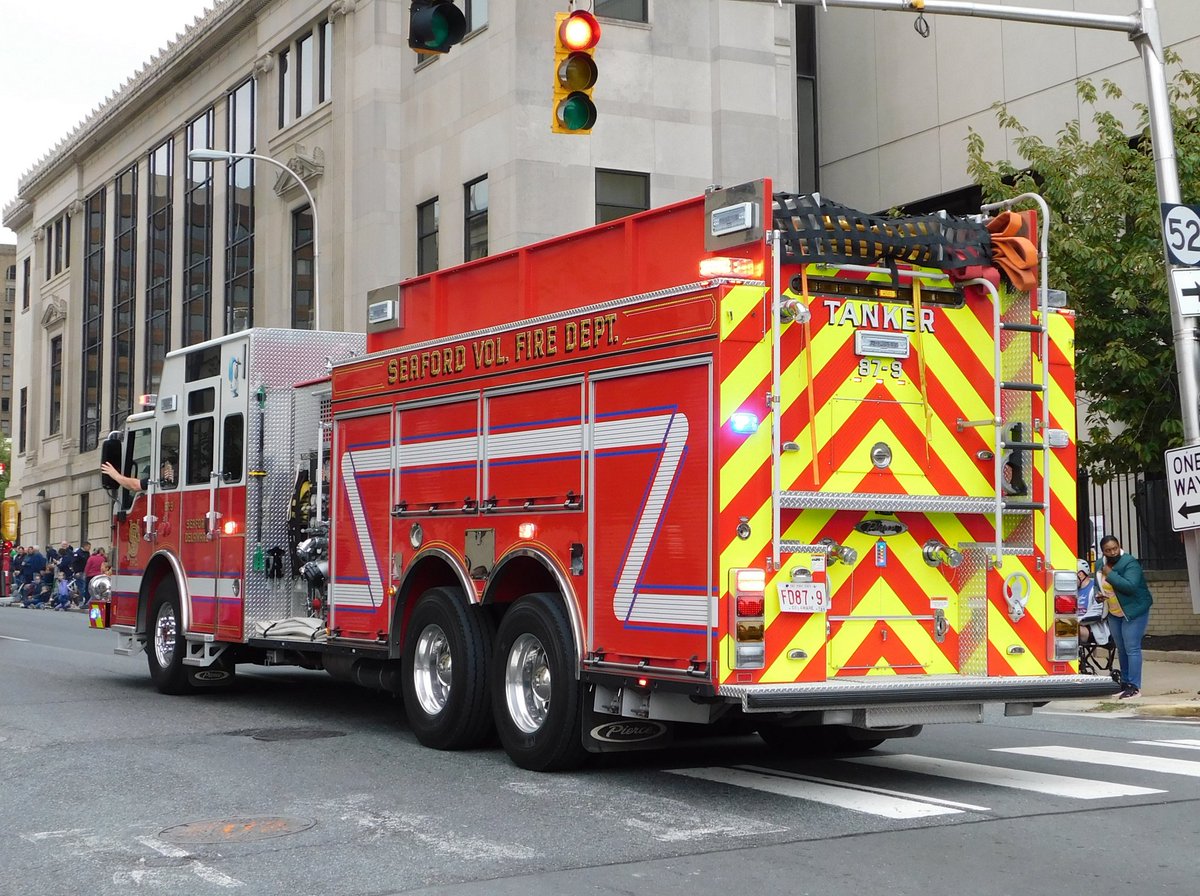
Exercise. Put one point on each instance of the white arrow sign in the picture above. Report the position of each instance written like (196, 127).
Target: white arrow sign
(1183, 483)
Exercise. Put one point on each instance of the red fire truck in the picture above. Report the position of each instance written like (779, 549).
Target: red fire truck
(749, 462)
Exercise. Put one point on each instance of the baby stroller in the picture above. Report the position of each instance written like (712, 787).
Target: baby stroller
(1097, 649)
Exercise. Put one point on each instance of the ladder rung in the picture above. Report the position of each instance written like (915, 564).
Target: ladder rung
(1023, 446)
(1022, 328)
(1024, 505)
(1023, 387)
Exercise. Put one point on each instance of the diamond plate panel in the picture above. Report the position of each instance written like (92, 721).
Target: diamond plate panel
(287, 427)
(861, 501)
(972, 611)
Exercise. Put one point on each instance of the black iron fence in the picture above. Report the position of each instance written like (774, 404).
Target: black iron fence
(1136, 508)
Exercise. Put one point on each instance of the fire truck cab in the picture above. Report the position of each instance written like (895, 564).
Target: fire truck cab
(752, 461)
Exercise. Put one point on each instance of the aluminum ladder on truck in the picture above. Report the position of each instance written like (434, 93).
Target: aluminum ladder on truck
(1016, 381)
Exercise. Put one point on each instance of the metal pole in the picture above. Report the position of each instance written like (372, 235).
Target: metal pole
(1187, 353)
(223, 155)
(1128, 24)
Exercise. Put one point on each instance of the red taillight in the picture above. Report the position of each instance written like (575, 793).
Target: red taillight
(1064, 603)
(747, 604)
(750, 606)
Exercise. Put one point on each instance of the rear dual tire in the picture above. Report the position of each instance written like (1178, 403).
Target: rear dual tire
(536, 695)
(447, 652)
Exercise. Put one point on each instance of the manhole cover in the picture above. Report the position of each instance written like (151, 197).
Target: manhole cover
(236, 830)
(287, 733)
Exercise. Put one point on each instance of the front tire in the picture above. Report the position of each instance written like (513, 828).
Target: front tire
(535, 693)
(447, 652)
(166, 646)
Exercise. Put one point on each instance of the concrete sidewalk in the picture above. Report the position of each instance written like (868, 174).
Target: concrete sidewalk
(1170, 689)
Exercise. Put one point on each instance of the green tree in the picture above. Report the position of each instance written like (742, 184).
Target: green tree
(1106, 251)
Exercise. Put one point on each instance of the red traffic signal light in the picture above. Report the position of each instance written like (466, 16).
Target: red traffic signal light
(434, 26)
(579, 31)
(575, 72)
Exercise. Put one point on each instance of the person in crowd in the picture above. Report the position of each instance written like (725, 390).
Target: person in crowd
(34, 566)
(18, 569)
(78, 568)
(1124, 586)
(62, 591)
(92, 569)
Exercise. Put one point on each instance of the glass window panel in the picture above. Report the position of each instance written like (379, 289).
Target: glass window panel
(630, 10)
(305, 76)
(620, 193)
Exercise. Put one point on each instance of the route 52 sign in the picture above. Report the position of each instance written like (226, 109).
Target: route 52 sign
(1181, 225)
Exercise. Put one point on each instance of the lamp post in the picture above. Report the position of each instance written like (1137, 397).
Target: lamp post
(221, 155)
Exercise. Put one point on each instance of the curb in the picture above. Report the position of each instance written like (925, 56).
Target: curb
(1172, 656)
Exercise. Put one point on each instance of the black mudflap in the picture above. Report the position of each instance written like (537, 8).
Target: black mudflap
(605, 733)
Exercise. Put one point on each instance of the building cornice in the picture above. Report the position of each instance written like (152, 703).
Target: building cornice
(159, 72)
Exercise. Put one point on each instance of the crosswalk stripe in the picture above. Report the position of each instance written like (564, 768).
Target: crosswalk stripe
(1182, 743)
(833, 794)
(1039, 782)
(1104, 757)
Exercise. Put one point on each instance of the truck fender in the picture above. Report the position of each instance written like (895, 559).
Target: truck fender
(162, 565)
(513, 567)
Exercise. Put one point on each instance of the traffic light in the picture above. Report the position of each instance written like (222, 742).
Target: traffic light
(575, 72)
(434, 26)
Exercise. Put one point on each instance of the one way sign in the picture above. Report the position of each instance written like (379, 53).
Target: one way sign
(1183, 474)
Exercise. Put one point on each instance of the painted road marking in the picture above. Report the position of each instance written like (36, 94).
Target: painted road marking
(1038, 782)
(1182, 743)
(872, 801)
(1104, 757)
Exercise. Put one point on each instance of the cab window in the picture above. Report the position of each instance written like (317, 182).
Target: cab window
(199, 450)
(168, 458)
(137, 461)
(233, 443)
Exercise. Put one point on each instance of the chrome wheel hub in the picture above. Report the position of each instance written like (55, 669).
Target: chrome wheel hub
(527, 684)
(165, 630)
(432, 667)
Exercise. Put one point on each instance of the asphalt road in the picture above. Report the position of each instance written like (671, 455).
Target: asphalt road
(296, 784)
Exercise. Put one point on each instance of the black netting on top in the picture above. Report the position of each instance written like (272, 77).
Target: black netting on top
(816, 230)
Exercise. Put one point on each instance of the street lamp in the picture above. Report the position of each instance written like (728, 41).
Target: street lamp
(221, 155)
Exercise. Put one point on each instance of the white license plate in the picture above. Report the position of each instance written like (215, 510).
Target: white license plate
(803, 597)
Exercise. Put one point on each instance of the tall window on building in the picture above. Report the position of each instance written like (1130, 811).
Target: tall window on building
(807, 177)
(302, 269)
(58, 245)
(93, 321)
(326, 31)
(22, 419)
(197, 235)
(158, 262)
(239, 223)
(26, 279)
(476, 13)
(56, 361)
(287, 104)
(630, 10)
(620, 193)
(305, 75)
(124, 298)
(475, 221)
(427, 236)
(305, 72)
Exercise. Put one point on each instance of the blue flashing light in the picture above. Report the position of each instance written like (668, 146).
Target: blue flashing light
(744, 423)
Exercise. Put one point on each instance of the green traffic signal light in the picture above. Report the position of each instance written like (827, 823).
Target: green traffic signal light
(434, 26)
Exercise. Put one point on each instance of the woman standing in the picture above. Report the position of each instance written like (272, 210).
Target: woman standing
(1129, 600)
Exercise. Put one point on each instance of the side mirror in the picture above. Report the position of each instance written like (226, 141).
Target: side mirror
(110, 452)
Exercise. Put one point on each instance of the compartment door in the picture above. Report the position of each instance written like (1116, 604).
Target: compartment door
(650, 550)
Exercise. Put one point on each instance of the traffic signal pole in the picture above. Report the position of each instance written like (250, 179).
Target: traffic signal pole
(1143, 29)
